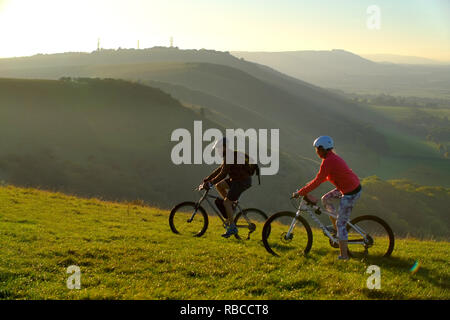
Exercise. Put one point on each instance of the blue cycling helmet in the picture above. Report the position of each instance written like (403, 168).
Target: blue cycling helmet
(325, 142)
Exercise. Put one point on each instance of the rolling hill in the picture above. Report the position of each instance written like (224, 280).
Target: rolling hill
(106, 138)
(262, 97)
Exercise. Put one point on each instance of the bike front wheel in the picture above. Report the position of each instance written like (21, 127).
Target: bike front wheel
(370, 235)
(277, 239)
(188, 219)
(251, 220)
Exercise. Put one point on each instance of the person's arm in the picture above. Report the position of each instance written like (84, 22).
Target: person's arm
(222, 174)
(214, 174)
(320, 177)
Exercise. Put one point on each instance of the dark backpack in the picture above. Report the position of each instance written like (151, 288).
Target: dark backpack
(252, 168)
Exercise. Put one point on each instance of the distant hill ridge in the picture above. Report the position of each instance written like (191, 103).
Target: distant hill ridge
(340, 69)
(113, 56)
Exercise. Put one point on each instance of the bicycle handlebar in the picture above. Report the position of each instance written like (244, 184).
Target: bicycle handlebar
(307, 200)
(202, 187)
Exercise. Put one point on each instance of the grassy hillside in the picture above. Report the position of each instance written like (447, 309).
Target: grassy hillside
(108, 138)
(127, 251)
(410, 209)
(427, 125)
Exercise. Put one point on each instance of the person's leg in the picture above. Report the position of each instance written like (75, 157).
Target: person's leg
(222, 188)
(327, 201)
(228, 204)
(235, 191)
(345, 209)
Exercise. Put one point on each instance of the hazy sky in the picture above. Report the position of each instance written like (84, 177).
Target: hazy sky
(407, 27)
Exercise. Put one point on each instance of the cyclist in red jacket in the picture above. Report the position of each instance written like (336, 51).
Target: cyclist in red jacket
(348, 189)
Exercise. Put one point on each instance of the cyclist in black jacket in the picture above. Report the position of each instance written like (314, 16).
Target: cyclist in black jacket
(239, 179)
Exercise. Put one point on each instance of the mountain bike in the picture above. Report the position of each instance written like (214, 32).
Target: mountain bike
(190, 218)
(286, 232)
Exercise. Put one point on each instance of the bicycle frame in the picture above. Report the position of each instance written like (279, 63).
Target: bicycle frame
(312, 209)
(206, 196)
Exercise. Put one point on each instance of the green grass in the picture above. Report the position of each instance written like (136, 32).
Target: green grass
(127, 251)
(411, 155)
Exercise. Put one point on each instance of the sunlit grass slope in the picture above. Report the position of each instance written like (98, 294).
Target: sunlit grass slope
(127, 251)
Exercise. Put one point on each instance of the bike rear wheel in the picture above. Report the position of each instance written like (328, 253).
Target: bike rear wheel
(182, 219)
(251, 220)
(276, 239)
(378, 237)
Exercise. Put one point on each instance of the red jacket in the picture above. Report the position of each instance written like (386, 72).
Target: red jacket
(334, 169)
